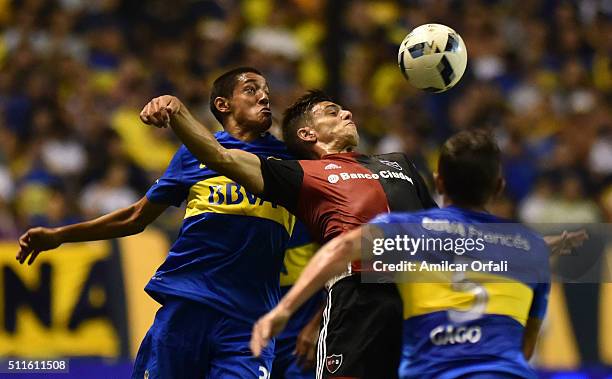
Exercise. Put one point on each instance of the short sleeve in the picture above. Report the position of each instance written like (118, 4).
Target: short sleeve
(170, 188)
(282, 181)
(382, 218)
(422, 190)
(540, 300)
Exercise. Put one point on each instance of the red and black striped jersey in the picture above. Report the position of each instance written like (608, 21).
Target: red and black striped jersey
(343, 191)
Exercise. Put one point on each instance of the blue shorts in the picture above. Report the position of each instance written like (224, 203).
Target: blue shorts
(192, 340)
(490, 375)
(285, 363)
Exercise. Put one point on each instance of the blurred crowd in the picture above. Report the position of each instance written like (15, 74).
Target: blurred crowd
(75, 74)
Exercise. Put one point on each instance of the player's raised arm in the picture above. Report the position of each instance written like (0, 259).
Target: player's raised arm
(120, 223)
(238, 165)
(329, 261)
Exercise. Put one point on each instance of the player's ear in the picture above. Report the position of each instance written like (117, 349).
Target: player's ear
(438, 183)
(307, 134)
(500, 186)
(222, 104)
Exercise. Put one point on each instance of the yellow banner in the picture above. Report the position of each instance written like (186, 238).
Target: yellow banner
(59, 306)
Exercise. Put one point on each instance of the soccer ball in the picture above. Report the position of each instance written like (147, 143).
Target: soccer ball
(432, 57)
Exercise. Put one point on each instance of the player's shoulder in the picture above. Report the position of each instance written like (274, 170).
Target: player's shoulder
(512, 225)
(396, 159)
(268, 138)
(269, 146)
(392, 155)
(533, 235)
(499, 224)
(396, 218)
(449, 214)
(186, 157)
(266, 145)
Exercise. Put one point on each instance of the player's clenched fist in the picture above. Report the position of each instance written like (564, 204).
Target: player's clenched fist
(35, 241)
(159, 110)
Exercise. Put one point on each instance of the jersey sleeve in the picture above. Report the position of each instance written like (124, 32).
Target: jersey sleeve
(540, 300)
(282, 181)
(541, 289)
(422, 190)
(170, 188)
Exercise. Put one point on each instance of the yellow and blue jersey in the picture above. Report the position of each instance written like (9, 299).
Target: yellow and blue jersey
(458, 322)
(229, 250)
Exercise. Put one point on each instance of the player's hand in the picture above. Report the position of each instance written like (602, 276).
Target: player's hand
(158, 111)
(35, 241)
(563, 244)
(270, 325)
(306, 344)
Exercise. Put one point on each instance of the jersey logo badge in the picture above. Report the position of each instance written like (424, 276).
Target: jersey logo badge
(331, 166)
(202, 165)
(393, 164)
(333, 362)
(333, 178)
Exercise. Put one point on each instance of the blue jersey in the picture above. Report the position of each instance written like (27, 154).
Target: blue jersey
(229, 250)
(474, 321)
(299, 252)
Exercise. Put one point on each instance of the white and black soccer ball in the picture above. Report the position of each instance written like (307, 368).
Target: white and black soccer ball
(432, 57)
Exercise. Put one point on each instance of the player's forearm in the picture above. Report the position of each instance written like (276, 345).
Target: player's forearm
(331, 260)
(121, 223)
(238, 165)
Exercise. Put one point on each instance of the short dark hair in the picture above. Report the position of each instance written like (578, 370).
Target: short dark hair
(296, 114)
(224, 85)
(470, 164)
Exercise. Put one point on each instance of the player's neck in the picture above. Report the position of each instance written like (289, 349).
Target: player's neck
(447, 202)
(245, 134)
(322, 149)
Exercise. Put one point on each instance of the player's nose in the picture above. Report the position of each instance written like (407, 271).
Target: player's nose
(346, 115)
(264, 99)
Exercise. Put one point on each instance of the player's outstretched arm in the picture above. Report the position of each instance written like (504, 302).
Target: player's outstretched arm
(120, 223)
(238, 165)
(329, 261)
